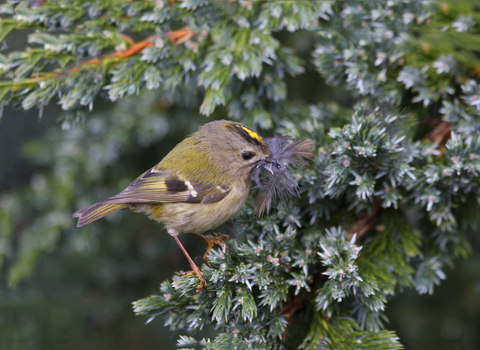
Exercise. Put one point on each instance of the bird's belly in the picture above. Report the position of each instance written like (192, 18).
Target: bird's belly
(196, 217)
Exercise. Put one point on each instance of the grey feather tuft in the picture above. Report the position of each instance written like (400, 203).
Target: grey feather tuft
(273, 177)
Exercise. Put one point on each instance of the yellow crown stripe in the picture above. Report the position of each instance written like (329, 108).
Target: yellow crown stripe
(247, 133)
(252, 134)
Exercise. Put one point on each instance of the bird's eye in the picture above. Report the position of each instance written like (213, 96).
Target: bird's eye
(247, 155)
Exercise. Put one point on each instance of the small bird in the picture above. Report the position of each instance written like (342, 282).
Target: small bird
(198, 186)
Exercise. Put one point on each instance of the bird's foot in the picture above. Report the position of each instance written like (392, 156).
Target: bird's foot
(211, 241)
(199, 273)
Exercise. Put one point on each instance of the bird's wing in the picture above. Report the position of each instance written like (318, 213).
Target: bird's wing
(163, 186)
(156, 186)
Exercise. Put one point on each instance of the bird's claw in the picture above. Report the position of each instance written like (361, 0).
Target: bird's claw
(211, 241)
(199, 273)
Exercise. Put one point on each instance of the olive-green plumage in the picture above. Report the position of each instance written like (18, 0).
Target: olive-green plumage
(199, 185)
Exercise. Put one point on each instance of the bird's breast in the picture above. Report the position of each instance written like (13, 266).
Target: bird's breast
(198, 217)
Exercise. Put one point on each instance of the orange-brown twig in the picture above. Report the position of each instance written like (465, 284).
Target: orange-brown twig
(132, 50)
(365, 221)
(292, 307)
(440, 133)
(477, 71)
(178, 37)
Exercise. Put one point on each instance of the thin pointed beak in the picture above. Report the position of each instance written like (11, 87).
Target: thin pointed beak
(269, 167)
(273, 166)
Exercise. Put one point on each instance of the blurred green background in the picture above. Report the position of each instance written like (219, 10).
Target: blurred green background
(79, 297)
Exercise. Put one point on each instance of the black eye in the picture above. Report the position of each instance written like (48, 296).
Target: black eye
(247, 155)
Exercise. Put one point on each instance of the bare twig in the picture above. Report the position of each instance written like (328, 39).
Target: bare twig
(365, 221)
(178, 37)
(292, 307)
(440, 133)
(135, 48)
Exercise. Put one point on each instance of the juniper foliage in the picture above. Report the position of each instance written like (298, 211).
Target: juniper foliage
(386, 204)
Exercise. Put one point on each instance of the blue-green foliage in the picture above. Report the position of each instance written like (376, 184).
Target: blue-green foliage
(381, 207)
(230, 58)
(368, 162)
(247, 280)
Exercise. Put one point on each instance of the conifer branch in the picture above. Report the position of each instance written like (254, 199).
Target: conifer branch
(373, 171)
(104, 60)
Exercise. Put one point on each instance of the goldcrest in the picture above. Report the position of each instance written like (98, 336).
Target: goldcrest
(199, 185)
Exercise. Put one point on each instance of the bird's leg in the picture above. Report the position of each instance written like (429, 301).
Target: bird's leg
(211, 242)
(195, 269)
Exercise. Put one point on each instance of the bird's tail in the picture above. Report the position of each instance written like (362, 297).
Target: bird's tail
(96, 211)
